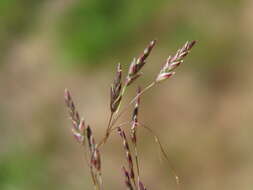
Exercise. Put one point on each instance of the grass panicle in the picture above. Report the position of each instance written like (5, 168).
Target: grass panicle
(84, 135)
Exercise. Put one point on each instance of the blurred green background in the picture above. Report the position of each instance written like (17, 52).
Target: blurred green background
(203, 115)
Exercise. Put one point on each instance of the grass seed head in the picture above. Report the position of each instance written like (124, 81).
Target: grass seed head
(173, 62)
(128, 153)
(137, 64)
(83, 133)
(116, 90)
(127, 179)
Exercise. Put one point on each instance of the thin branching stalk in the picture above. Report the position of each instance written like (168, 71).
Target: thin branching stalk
(157, 140)
(113, 122)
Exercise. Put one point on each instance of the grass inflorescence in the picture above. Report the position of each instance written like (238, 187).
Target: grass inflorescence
(83, 132)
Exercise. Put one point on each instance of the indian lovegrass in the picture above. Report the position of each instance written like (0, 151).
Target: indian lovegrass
(83, 132)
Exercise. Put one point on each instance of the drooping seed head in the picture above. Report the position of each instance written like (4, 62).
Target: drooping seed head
(74, 115)
(141, 186)
(127, 179)
(128, 153)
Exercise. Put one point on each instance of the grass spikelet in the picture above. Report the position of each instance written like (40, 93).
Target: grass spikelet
(128, 155)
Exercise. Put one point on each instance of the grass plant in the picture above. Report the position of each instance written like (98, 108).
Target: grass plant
(83, 132)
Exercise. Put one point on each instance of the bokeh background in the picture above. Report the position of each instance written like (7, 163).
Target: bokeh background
(203, 115)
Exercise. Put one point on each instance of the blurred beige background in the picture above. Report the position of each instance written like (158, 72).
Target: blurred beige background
(203, 115)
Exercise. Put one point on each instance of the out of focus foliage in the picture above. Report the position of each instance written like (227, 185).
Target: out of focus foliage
(15, 19)
(93, 29)
(23, 171)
